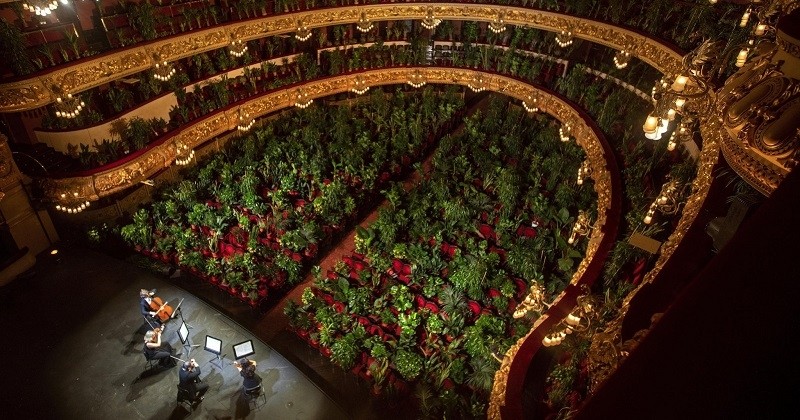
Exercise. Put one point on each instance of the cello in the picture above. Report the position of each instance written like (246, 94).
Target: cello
(163, 311)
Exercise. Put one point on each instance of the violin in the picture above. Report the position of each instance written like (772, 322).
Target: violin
(157, 332)
(163, 311)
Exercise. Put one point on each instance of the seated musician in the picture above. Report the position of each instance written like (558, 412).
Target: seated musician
(156, 349)
(145, 299)
(247, 368)
(189, 380)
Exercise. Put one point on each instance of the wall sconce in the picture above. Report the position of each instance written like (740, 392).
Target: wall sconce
(303, 33)
(478, 84)
(498, 25)
(245, 122)
(237, 47)
(582, 227)
(183, 155)
(531, 103)
(67, 105)
(584, 171)
(430, 22)
(359, 86)
(579, 320)
(668, 201)
(621, 59)
(302, 100)
(364, 24)
(417, 79)
(163, 71)
(534, 301)
(71, 204)
(564, 39)
(564, 132)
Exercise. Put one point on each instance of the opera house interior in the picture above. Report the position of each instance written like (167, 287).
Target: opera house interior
(540, 209)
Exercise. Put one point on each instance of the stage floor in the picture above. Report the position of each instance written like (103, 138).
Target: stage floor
(72, 349)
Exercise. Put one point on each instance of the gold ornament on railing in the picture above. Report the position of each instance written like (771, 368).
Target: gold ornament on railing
(564, 132)
(302, 99)
(621, 59)
(237, 47)
(584, 171)
(417, 79)
(579, 320)
(67, 105)
(533, 302)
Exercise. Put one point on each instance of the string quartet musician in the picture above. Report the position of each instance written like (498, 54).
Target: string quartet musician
(156, 349)
(145, 297)
(247, 368)
(189, 377)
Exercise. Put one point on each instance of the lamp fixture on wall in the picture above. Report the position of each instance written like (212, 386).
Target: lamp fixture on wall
(417, 79)
(531, 103)
(478, 84)
(364, 24)
(245, 122)
(302, 33)
(163, 70)
(430, 22)
(579, 320)
(359, 86)
(584, 171)
(67, 105)
(564, 38)
(71, 204)
(41, 7)
(582, 227)
(564, 132)
(302, 100)
(237, 47)
(533, 302)
(668, 201)
(498, 25)
(621, 59)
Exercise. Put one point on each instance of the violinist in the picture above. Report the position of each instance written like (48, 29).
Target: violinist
(189, 377)
(156, 349)
(145, 300)
(247, 368)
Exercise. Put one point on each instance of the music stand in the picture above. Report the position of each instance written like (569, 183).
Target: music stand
(177, 308)
(183, 334)
(214, 345)
(243, 349)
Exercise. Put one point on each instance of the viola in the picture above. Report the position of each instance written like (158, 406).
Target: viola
(163, 311)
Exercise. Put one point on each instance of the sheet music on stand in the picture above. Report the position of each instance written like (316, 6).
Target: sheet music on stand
(214, 345)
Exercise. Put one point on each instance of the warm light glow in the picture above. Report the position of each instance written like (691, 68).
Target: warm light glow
(564, 39)
(679, 104)
(621, 59)
(741, 59)
(650, 124)
(745, 18)
(54, 252)
(430, 22)
(760, 29)
(680, 83)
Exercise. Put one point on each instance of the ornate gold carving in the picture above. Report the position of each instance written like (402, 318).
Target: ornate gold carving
(605, 350)
(33, 93)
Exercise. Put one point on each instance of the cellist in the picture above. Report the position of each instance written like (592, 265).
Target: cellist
(146, 297)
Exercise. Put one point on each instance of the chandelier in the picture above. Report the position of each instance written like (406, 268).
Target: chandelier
(584, 172)
(41, 7)
(237, 47)
(364, 24)
(68, 106)
(302, 100)
(621, 59)
(667, 202)
(531, 103)
(245, 122)
(303, 33)
(183, 155)
(359, 86)
(564, 39)
(163, 70)
(498, 25)
(72, 204)
(417, 79)
(478, 84)
(582, 227)
(430, 22)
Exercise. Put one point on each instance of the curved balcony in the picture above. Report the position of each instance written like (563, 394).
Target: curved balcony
(36, 91)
